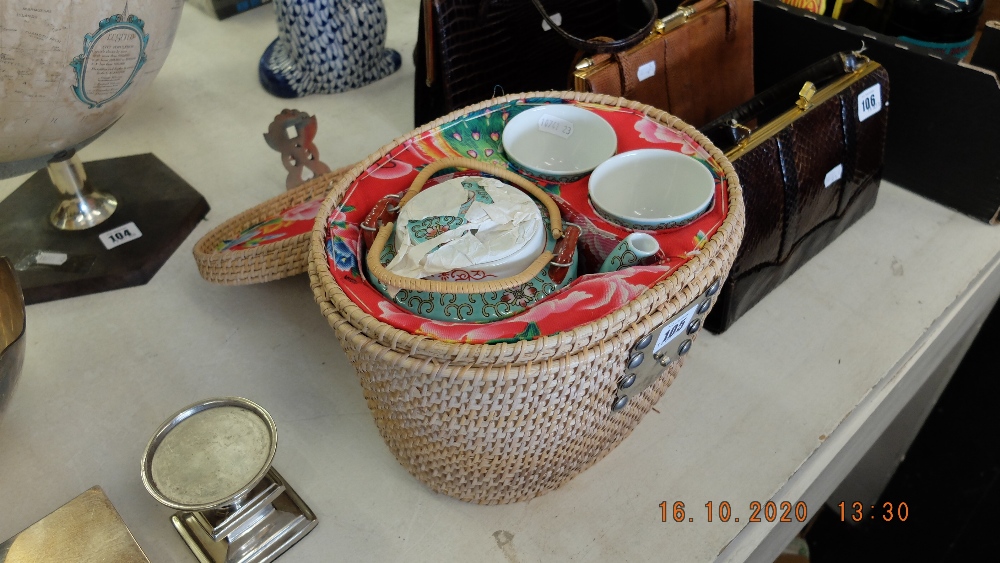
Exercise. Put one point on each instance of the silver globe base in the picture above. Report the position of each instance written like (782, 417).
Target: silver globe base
(82, 207)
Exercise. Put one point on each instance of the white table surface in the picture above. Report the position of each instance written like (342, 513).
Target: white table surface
(770, 409)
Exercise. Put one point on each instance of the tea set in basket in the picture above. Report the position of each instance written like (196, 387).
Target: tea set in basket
(516, 283)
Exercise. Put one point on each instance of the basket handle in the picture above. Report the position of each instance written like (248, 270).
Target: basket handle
(494, 170)
(416, 284)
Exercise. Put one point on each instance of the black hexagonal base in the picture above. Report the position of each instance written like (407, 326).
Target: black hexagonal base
(160, 203)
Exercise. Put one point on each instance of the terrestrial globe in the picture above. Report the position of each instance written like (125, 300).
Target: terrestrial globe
(68, 71)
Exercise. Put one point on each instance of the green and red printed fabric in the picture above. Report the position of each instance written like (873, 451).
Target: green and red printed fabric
(587, 298)
(287, 224)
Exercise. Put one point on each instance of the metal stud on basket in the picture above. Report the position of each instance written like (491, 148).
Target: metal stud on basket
(662, 348)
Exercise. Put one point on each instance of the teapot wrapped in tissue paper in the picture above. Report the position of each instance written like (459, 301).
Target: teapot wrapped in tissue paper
(467, 224)
(471, 248)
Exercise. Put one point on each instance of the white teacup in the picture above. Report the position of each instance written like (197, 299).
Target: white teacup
(648, 189)
(559, 142)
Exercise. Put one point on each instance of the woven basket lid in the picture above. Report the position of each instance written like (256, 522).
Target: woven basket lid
(267, 242)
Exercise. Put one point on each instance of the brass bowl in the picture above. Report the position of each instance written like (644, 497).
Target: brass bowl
(11, 332)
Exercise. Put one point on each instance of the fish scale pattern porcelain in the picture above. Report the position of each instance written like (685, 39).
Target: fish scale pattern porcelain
(327, 46)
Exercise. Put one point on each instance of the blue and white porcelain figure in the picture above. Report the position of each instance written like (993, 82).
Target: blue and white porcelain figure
(327, 46)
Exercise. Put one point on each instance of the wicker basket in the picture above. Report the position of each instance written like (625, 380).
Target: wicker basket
(267, 262)
(497, 423)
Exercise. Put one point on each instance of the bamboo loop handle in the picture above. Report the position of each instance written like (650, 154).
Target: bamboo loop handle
(418, 284)
(435, 286)
(555, 217)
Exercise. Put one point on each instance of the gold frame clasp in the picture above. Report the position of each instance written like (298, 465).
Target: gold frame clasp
(805, 96)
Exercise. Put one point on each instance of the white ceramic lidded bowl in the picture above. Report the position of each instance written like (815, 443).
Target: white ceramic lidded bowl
(649, 189)
(559, 142)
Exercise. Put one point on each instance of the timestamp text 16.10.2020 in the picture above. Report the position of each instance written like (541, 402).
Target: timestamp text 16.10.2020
(723, 512)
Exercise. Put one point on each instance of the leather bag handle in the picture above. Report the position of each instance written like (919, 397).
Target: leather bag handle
(591, 46)
(565, 245)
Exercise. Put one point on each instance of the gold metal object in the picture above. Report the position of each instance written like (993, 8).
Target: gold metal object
(11, 306)
(837, 7)
(87, 529)
(823, 94)
(679, 17)
(805, 96)
(212, 462)
(12, 327)
(82, 207)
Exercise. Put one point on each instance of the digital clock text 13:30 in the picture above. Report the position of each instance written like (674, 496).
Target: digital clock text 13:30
(889, 512)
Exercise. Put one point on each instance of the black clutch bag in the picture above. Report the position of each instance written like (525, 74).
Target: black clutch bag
(809, 154)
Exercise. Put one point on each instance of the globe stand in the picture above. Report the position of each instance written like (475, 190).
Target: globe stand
(82, 206)
(155, 211)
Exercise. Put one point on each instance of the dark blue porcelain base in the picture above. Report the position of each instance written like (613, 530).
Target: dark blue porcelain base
(277, 80)
(273, 82)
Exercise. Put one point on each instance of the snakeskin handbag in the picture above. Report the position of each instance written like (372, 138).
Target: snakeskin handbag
(469, 51)
(809, 154)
